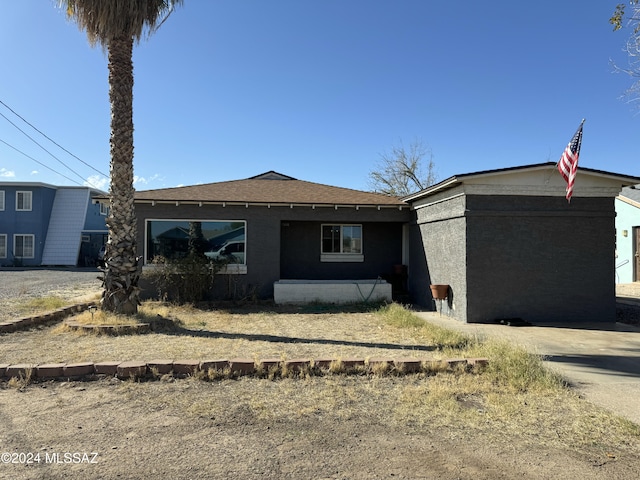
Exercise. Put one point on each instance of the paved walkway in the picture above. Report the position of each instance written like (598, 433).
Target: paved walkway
(602, 362)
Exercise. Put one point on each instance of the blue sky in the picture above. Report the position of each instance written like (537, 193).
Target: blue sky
(317, 90)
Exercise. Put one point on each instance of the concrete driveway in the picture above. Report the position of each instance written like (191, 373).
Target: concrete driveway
(601, 362)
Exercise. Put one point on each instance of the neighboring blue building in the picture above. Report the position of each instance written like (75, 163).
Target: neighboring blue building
(42, 224)
(628, 235)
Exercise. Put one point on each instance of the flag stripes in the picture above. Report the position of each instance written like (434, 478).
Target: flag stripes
(568, 163)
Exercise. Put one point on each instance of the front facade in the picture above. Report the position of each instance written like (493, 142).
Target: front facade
(510, 245)
(42, 224)
(273, 227)
(507, 242)
(628, 235)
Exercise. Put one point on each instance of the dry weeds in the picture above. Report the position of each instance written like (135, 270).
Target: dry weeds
(514, 404)
(191, 333)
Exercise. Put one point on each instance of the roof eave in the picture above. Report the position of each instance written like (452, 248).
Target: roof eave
(400, 206)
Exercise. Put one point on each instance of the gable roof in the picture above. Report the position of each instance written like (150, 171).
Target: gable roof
(529, 176)
(269, 188)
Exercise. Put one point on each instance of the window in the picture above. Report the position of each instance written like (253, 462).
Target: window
(23, 246)
(3, 246)
(1, 200)
(23, 201)
(104, 209)
(217, 240)
(342, 243)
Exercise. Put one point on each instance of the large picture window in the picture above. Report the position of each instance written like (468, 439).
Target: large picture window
(23, 246)
(341, 243)
(217, 240)
(23, 201)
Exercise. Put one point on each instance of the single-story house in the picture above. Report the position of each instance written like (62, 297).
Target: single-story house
(42, 224)
(276, 228)
(628, 235)
(506, 242)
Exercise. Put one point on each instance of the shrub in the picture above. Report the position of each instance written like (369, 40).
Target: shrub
(184, 280)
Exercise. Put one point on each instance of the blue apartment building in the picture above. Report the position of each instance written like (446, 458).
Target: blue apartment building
(48, 225)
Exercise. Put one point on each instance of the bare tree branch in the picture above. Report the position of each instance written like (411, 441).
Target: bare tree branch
(632, 47)
(401, 171)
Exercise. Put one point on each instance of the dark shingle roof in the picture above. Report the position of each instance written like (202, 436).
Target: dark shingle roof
(268, 188)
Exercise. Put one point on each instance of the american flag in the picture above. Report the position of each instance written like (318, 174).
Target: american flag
(568, 164)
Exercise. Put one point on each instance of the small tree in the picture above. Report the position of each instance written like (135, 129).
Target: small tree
(618, 19)
(401, 171)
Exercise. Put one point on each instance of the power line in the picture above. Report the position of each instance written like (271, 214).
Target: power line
(48, 138)
(30, 138)
(45, 166)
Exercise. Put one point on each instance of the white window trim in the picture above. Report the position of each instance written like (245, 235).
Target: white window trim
(335, 257)
(15, 239)
(1, 200)
(30, 196)
(341, 257)
(104, 209)
(3, 253)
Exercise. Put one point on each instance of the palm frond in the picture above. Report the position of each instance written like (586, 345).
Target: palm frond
(103, 20)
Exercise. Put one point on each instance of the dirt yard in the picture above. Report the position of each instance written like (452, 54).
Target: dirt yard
(318, 427)
(321, 428)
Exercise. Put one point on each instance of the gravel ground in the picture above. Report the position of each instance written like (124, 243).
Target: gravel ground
(16, 285)
(41, 282)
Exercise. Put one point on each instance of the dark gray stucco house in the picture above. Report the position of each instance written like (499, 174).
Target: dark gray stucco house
(506, 241)
(275, 227)
(511, 246)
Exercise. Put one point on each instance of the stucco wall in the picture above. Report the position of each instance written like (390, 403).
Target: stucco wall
(263, 236)
(301, 245)
(438, 254)
(627, 217)
(540, 259)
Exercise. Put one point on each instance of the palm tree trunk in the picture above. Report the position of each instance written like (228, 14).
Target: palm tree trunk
(122, 267)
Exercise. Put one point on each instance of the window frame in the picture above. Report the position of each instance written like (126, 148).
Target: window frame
(3, 247)
(104, 209)
(25, 194)
(23, 236)
(341, 256)
(2, 200)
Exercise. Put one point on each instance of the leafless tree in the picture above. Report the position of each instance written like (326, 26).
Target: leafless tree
(403, 170)
(622, 18)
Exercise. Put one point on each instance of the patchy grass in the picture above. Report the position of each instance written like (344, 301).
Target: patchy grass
(41, 304)
(398, 316)
(514, 396)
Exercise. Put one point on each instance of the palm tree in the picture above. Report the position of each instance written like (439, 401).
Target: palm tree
(115, 25)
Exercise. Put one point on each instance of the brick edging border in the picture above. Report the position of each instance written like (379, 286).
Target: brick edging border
(42, 319)
(232, 368)
(222, 368)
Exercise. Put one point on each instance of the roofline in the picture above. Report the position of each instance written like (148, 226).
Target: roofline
(399, 206)
(628, 201)
(29, 184)
(53, 187)
(458, 179)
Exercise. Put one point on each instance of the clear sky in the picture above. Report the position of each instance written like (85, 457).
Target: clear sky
(318, 89)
